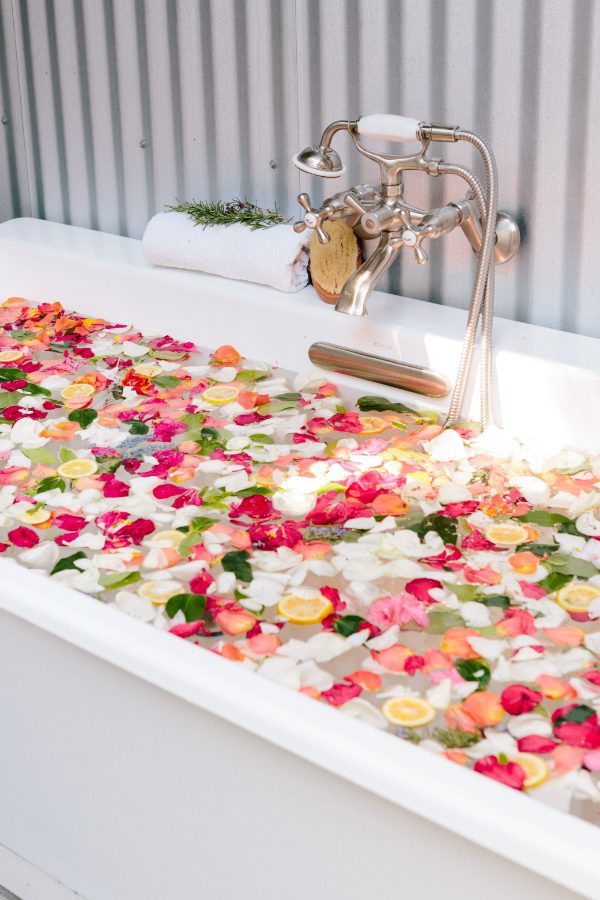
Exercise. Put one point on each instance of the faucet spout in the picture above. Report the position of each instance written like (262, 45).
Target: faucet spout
(358, 288)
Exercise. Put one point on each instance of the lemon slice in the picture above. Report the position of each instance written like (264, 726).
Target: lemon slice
(79, 391)
(373, 424)
(219, 394)
(577, 597)
(34, 516)
(302, 611)
(159, 592)
(535, 768)
(397, 453)
(11, 355)
(507, 534)
(410, 712)
(422, 477)
(170, 538)
(77, 468)
(148, 370)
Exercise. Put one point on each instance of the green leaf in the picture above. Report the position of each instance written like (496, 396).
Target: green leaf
(208, 438)
(201, 523)
(12, 374)
(570, 565)
(487, 631)
(251, 375)
(494, 600)
(570, 528)
(578, 714)
(430, 416)
(250, 491)
(193, 534)
(7, 398)
(380, 404)
(442, 525)
(538, 549)
(68, 562)
(543, 517)
(20, 334)
(347, 625)
(440, 620)
(214, 497)
(166, 381)
(118, 579)
(262, 438)
(206, 445)
(42, 456)
(85, 417)
(292, 395)
(64, 454)
(464, 592)
(331, 486)
(236, 561)
(193, 420)
(474, 670)
(35, 389)
(192, 538)
(51, 483)
(108, 464)
(193, 606)
(168, 355)
(554, 582)
(137, 427)
(210, 433)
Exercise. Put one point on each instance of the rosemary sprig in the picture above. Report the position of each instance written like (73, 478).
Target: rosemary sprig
(207, 213)
(454, 738)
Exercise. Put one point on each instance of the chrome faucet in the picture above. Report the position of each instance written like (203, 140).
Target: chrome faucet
(381, 211)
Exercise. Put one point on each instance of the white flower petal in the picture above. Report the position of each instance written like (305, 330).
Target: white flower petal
(136, 606)
(357, 708)
(475, 615)
(529, 723)
(489, 648)
(446, 447)
(43, 556)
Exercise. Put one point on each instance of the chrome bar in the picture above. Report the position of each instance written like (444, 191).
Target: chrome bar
(380, 369)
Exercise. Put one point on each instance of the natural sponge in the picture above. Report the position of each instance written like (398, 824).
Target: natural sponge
(332, 264)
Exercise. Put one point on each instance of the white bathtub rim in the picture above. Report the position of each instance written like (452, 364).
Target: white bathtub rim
(545, 840)
(43, 260)
(540, 341)
(27, 882)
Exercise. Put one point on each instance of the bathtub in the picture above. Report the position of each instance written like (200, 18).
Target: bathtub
(133, 766)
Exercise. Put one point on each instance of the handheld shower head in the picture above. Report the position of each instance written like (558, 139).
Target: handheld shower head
(321, 161)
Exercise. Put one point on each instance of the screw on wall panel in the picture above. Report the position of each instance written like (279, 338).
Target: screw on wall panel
(144, 143)
(273, 163)
(4, 120)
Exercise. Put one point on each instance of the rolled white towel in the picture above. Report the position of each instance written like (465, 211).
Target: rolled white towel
(276, 256)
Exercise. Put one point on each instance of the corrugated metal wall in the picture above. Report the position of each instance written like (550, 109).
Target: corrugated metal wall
(112, 108)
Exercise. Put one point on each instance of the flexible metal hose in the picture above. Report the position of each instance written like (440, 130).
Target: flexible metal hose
(475, 305)
(483, 287)
(474, 183)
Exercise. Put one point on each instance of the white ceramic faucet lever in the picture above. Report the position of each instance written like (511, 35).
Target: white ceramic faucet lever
(383, 127)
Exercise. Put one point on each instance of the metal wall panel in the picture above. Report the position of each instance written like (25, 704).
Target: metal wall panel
(14, 193)
(114, 108)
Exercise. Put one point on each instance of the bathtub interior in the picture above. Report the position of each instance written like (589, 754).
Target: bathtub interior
(103, 275)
